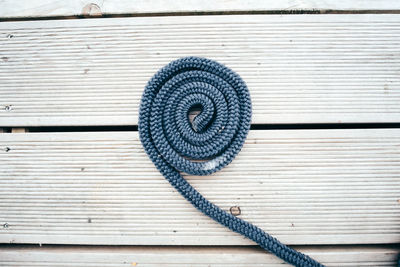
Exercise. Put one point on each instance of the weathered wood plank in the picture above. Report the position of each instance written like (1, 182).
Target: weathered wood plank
(305, 187)
(46, 8)
(299, 68)
(198, 256)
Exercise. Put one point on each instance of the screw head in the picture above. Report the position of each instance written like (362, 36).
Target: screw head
(8, 108)
(5, 225)
(235, 211)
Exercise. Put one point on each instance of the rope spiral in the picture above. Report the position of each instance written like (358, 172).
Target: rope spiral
(207, 144)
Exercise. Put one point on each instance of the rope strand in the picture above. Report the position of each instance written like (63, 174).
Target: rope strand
(215, 136)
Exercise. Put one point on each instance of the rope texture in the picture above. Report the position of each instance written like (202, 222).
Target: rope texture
(215, 136)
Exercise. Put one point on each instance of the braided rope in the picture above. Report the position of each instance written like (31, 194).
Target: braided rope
(215, 136)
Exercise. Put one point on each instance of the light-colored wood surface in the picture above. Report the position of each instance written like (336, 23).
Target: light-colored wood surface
(189, 256)
(46, 8)
(18, 130)
(302, 186)
(299, 68)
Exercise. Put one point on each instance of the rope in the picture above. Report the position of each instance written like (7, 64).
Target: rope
(215, 136)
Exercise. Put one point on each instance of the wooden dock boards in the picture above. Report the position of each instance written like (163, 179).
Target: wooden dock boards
(299, 68)
(302, 186)
(306, 187)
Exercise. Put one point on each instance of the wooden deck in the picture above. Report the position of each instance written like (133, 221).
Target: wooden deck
(320, 169)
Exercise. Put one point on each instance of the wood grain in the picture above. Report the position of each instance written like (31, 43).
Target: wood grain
(303, 186)
(189, 256)
(299, 68)
(47, 8)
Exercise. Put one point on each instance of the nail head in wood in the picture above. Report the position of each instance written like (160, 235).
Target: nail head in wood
(235, 211)
(91, 10)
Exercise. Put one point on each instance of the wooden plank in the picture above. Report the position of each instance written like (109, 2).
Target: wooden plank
(187, 256)
(19, 130)
(46, 8)
(299, 68)
(303, 186)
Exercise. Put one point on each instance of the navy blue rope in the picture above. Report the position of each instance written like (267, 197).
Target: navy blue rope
(215, 136)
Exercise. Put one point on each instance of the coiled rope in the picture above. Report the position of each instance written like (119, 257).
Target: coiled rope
(215, 136)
